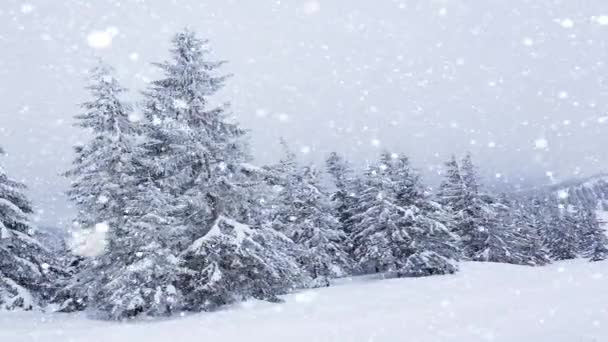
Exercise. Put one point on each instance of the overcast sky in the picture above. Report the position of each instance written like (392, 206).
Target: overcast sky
(519, 83)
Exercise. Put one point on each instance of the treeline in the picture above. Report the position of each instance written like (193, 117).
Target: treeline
(189, 224)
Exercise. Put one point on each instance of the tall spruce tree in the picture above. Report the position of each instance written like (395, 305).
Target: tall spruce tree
(194, 151)
(103, 179)
(191, 175)
(27, 268)
(189, 157)
(196, 158)
(102, 170)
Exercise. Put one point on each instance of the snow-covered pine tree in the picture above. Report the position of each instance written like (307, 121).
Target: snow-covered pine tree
(194, 151)
(378, 242)
(470, 178)
(346, 187)
(396, 228)
(318, 231)
(593, 240)
(303, 211)
(451, 192)
(478, 217)
(102, 171)
(233, 262)
(197, 159)
(527, 225)
(284, 179)
(26, 266)
(106, 180)
(140, 271)
(562, 238)
(434, 249)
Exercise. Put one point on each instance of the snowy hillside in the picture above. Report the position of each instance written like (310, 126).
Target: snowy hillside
(592, 191)
(563, 302)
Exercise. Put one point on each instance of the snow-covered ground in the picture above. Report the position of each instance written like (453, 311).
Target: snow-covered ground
(564, 302)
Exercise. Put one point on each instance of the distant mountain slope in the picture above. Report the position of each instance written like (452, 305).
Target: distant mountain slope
(592, 191)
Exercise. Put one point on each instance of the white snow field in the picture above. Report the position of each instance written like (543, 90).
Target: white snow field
(563, 302)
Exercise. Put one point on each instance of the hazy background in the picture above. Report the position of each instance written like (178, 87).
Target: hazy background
(521, 84)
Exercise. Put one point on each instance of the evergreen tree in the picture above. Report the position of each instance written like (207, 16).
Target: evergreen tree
(234, 262)
(105, 182)
(27, 268)
(102, 170)
(378, 241)
(189, 171)
(318, 231)
(197, 159)
(594, 243)
(451, 192)
(194, 151)
(396, 227)
(346, 187)
(562, 239)
(528, 229)
(478, 217)
(140, 272)
(304, 213)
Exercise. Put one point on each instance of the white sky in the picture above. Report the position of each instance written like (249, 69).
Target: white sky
(520, 83)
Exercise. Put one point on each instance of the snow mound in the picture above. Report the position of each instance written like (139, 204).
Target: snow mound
(563, 302)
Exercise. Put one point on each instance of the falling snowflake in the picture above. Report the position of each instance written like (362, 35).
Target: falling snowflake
(102, 227)
(312, 7)
(562, 194)
(527, 41)
(261, 113)
(133, 117)
(305, 149)
(375, 142)
(27, 8)
(99, 39)
(156, 121)
(567, 23)
(602, 20)
(541, 144)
